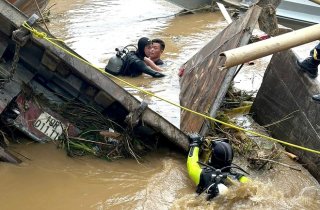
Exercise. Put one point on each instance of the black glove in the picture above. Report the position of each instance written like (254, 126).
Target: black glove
(195, 140)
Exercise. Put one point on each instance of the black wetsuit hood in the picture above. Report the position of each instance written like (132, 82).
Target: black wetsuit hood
(142, 43)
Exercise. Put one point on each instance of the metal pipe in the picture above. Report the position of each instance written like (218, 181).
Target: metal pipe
(266, 47)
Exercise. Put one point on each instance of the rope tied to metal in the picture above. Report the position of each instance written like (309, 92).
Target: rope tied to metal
(33, 31)
(37, 34)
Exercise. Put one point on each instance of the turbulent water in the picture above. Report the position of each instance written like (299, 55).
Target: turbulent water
(52, 180)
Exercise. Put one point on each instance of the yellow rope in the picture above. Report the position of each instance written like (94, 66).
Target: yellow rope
(41, 35)
(44, 36)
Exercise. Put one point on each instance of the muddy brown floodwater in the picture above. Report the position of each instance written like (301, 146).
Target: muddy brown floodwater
(51, 180)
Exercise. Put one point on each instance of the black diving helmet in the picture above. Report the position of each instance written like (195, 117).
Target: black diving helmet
(221, 153)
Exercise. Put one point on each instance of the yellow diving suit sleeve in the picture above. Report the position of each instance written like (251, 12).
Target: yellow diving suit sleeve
(193, 167)
(244, 179)
(315, 55)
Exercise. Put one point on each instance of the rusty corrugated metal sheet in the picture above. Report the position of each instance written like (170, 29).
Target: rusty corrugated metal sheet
(203, 85)
(29, 7)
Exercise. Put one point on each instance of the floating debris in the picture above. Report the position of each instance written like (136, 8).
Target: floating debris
(260, 155)
(98, 136)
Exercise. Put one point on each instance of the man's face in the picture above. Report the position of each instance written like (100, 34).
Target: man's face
(147, 50)
(156, 50)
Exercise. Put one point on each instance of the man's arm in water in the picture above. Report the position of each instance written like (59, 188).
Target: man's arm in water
(193, 167)
(152, 65)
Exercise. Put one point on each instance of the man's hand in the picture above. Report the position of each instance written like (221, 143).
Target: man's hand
(195, 140)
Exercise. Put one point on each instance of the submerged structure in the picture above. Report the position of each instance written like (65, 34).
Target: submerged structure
(49, 94)
(291, 114)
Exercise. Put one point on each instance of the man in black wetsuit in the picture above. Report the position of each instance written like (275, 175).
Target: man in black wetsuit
(136, 63)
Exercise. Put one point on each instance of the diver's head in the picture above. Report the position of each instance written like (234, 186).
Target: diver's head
(144, 47)
(221, 154)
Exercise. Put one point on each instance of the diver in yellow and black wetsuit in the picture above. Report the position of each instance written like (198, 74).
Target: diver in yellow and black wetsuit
(311, 63)
(210, 179)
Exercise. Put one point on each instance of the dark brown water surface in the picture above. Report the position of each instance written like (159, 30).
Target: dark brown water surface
(52, 180)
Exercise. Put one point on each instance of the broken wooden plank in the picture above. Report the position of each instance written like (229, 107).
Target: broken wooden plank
(203, 85)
